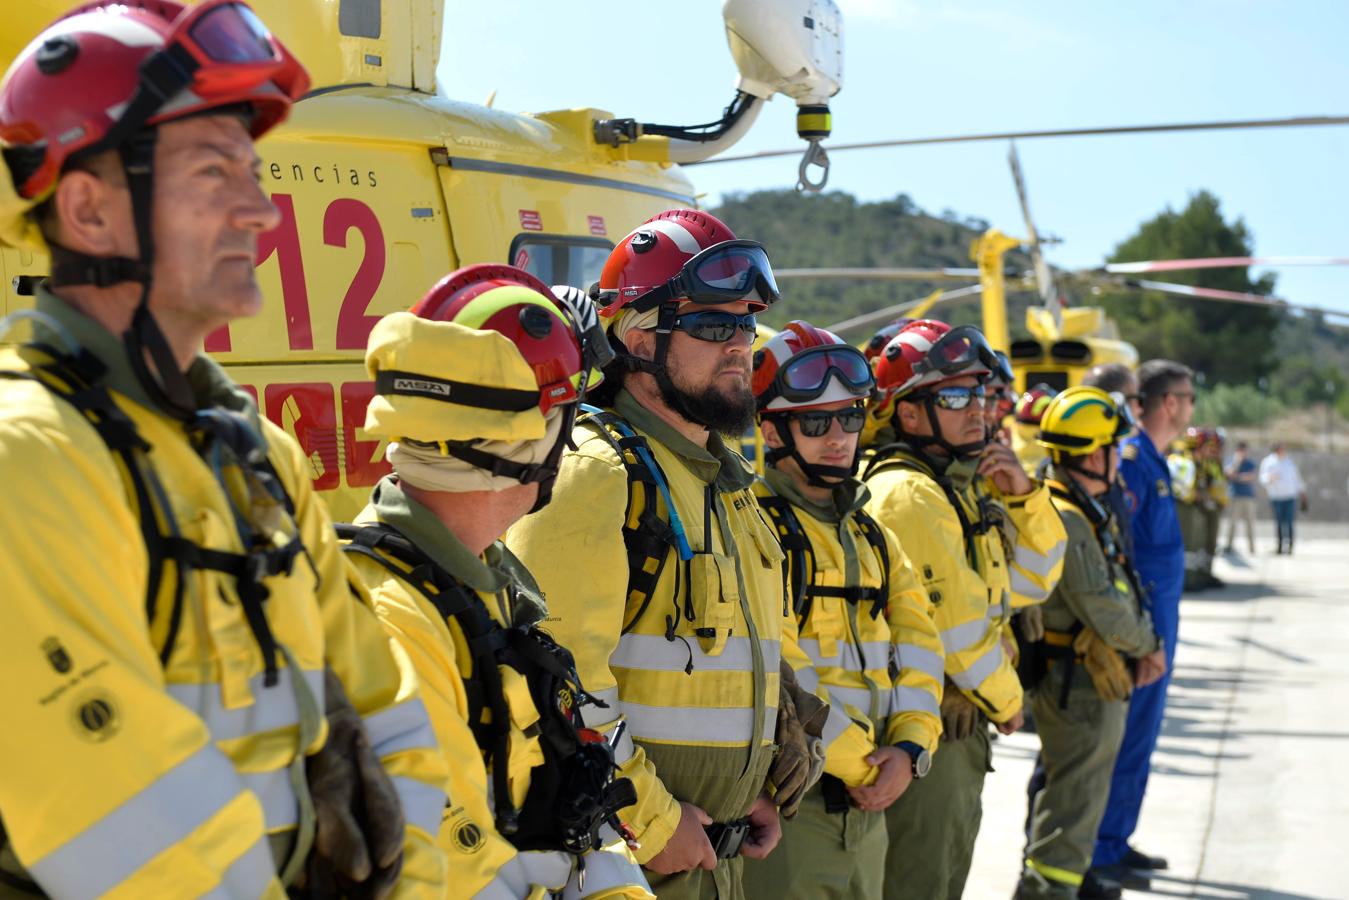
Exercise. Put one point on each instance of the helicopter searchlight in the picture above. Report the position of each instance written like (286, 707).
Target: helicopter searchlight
(788, 47)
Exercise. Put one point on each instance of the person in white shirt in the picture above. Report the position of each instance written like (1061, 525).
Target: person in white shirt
(1284, 486)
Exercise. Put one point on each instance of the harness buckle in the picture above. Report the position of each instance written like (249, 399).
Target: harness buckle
(726, 838)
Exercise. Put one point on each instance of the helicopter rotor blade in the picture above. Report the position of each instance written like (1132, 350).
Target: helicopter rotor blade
(1230, 125)
(1044, 275)
(890, 312)
(1220, 262)
(877, 274)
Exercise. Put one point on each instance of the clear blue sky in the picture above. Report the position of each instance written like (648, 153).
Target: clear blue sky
(917, 68)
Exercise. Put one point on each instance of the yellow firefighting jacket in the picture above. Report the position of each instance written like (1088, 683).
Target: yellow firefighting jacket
(691, 670)
(877, 660)
(1027, 582)
(967, 579)
(482, 862)
(1096, 590)
(130, 776)
(1184, 473)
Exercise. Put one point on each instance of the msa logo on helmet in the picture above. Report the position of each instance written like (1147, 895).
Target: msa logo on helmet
(417, 386)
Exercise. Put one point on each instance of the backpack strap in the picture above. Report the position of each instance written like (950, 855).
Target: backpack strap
(871, 530)
(485, 693)
(77, 381)
(651, 526)
(896, 456)
(800, 555)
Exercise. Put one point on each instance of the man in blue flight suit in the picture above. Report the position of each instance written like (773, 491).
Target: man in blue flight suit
(1166, 393)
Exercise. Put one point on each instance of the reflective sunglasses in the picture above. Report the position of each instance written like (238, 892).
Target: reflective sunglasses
(817, 423)
(715, 326)
(958, 397)
(806, 375)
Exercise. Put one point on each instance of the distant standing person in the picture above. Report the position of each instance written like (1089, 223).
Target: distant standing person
(1284, 486)
(1241, 474)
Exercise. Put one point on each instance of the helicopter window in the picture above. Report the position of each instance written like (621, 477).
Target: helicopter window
(560, 259)
(1056, 380)
(359, 18)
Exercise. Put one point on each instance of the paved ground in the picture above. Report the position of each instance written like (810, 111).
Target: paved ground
(1249, 796)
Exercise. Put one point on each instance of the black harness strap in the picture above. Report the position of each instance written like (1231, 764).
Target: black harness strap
(650, 540)
(801, 556)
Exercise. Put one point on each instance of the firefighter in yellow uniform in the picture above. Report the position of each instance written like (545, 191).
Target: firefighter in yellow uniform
(1093, 620)
(661, 572)
(1212, 494)
(201, 701)
(476, 389)
(861, 613)
(1183, 461)
(926, 487)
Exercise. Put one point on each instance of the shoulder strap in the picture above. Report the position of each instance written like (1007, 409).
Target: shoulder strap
(651, 526)
(489, 713)
(876, 538)
(800, 556)
(77, 381)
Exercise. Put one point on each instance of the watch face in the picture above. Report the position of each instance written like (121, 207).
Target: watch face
(923, 764)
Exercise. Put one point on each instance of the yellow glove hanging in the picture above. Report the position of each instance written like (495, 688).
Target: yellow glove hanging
(1104, 666)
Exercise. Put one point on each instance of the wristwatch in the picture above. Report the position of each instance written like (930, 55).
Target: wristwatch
(922, 760)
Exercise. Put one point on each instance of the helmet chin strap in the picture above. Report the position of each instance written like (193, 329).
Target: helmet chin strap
(543, 474)
(815, 473)
(937, 438)
(1099, 477)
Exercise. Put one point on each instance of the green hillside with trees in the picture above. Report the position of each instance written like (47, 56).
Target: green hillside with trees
(1253, 362)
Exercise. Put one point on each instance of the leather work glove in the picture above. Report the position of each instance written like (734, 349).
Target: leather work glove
(959, 715)
(1031, 621)
(1104, 666)
(799, 761)
(358, 843)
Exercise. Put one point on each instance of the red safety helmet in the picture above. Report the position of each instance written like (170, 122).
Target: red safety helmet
(877, 343)
(926, 352)
(803, 367)
(1030, 408)
(513, 302)
(106, 70)
(685, 255)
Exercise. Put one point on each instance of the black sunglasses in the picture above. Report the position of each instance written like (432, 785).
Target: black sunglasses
(817, 423)
(715, 326)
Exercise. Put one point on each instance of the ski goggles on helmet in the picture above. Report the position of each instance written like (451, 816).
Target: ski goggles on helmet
(715, 326)
(959, 350)
(806, 375)
(816, 422)
(218, 51)
(956, 398)
(729, 272)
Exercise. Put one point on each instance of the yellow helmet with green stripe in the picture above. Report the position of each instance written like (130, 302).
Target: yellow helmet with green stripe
(1081, 420)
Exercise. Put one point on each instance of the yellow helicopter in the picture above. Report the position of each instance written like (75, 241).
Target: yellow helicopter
(385, 186)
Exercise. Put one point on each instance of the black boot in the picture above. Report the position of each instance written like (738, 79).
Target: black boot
(1097, 887)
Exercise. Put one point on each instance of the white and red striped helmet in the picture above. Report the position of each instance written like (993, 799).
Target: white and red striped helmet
(803, 367)
(928, 352)
(684, 255)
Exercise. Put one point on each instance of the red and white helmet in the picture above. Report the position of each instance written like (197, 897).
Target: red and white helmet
(107, 69)
(927, 352)
(883, 336)
(803, 367)
(685, 255)
(1030, 407)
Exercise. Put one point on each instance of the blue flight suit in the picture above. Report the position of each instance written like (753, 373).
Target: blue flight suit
(1159, 557)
